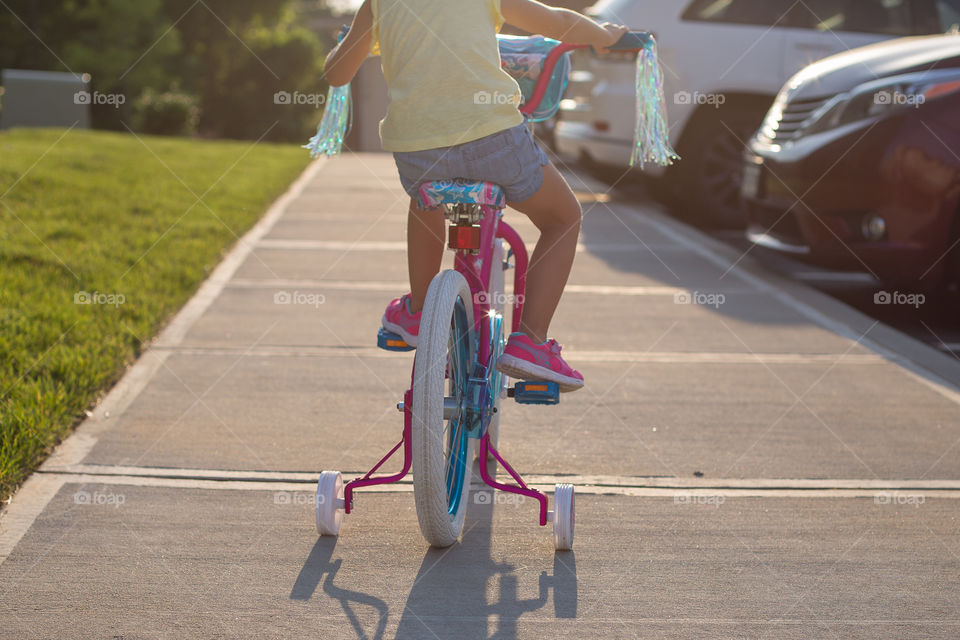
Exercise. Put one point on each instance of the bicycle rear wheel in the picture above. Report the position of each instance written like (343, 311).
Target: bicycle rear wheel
(442, 450)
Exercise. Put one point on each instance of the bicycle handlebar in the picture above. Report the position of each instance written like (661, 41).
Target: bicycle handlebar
(630, 41)
(651, 140)
(633, 41)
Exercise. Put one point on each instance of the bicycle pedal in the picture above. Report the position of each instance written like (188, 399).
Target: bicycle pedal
(390, 341)
(535, 392)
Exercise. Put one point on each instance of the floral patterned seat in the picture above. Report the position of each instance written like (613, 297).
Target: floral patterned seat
(457, 191)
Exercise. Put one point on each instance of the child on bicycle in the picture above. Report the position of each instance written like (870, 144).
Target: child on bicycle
(437, 55)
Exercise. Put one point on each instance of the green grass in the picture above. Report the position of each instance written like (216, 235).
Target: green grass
(104, 213)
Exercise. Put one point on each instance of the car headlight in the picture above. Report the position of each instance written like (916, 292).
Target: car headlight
(882, 97)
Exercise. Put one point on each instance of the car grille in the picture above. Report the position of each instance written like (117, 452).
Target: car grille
(784, 123)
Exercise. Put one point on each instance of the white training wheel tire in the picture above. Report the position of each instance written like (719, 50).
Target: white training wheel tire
(563, 517)
(329, 503)
(439, 526)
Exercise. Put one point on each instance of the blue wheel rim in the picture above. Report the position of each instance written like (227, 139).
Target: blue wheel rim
(457, 440)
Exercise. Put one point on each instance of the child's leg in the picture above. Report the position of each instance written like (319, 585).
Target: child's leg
(425, 241)
(555, 211)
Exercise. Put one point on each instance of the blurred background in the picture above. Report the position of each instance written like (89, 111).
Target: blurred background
(180, 67)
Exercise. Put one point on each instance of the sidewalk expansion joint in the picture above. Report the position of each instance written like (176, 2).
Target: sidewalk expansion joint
(649, 357)
(586, 484)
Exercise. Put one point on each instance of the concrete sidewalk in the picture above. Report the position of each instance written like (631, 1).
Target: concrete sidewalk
(751, 458)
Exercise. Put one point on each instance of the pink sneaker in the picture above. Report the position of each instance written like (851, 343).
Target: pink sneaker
(398, 319)
(524, 359)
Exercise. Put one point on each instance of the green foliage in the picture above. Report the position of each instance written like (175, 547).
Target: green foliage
(137, 230)
(234, 55)
(238, 81)
(171, 113)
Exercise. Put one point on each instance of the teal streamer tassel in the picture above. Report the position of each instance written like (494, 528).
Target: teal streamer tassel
(333, 126)
(652, 140)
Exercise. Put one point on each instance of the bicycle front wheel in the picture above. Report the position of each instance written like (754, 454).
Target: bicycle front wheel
(442, 450)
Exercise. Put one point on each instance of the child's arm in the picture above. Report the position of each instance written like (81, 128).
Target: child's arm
(560, 24)
(345, 59)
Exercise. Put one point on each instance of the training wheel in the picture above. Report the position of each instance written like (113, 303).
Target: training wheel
(329, 503)
(563, 517)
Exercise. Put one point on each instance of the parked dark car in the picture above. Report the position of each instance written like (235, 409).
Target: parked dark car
(857, 166)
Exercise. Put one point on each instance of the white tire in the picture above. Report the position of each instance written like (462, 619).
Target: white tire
(440, 511)
(563, 517)
(328, 503)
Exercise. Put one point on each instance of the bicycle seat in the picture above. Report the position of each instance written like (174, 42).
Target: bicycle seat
(461, 191)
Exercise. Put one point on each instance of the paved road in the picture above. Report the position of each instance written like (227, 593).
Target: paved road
(752, 459)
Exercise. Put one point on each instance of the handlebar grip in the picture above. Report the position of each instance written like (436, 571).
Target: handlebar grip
(633, 41)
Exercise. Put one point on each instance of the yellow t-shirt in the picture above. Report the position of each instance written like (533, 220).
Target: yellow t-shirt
(442, 66)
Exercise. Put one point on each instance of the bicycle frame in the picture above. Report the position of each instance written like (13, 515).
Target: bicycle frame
(465, 262)
(492, 228)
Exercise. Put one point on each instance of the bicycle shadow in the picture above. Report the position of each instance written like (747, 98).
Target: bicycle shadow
(448, 598)
(317, 567)
(449, 595)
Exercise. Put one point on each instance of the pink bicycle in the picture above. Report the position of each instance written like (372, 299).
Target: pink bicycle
(453, 403)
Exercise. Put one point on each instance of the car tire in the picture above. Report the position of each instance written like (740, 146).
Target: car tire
(662, 188)
(609, 174)
(708, 176)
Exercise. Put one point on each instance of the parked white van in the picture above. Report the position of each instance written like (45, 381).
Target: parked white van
(724, 62)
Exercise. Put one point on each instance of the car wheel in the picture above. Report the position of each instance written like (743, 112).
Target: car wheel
(610, 175)
(710, 172)
(662, 189)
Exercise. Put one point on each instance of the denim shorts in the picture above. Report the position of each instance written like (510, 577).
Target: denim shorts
(509, 158)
